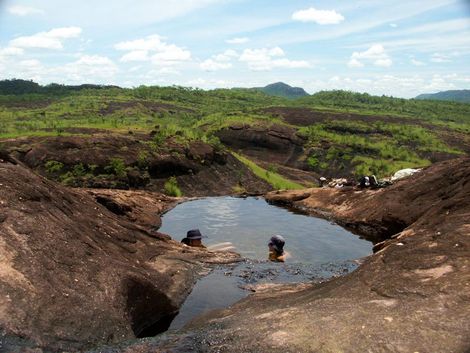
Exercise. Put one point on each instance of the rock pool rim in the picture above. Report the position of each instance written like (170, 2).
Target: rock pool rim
(228, 218)
(289, 206)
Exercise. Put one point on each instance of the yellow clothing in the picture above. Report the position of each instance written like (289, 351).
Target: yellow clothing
(274, 256)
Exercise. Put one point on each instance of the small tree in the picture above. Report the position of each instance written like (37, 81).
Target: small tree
(171, 187)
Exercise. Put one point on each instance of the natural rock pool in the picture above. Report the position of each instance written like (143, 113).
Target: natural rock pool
(318, 248)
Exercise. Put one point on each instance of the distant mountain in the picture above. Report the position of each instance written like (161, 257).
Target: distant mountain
(280, 89)
(462, 96)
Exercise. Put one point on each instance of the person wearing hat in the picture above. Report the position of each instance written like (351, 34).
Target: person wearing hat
(276, 249)
(193, 238)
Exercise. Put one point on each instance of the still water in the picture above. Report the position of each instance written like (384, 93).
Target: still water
(248, 223)
(318, 249)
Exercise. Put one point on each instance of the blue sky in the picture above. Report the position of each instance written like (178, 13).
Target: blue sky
(399, 48)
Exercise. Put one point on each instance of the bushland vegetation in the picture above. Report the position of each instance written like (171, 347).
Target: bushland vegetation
(191, 114)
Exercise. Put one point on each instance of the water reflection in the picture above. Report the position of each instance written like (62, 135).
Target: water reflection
(249, 223)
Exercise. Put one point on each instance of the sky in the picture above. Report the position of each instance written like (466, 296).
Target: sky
(398, 48)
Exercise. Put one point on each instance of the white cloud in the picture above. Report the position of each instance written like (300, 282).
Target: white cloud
(237, 40)
(153, 48)
(322, 17)
(135, 55)
(20, 10)
(11, 51)
(88, 68)
(30, 63)
(440, 83)
(208, 83)
(47, 40)
(153, 42)
(376, 15)
(440, 58)
(266, 59)
(213, 65)
(393, 25)
(163, 71)
(220, 61)
(171, 54)
(261, 59)
(355, 63)
(226, 55)
(259, 55)
(290, 64)
(375, 54)
(408, 85)
(417, 62)
(28, 69)
(386, 62)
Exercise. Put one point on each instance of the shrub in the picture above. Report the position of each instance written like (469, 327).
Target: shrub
(67, 179)
(92, 168)
(142, 159)
(312, 161)
(171, 187)
(79, 170)
(53, 167)
(117, 167)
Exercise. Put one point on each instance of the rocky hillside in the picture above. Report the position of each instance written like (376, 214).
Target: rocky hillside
(342, 134)
(412, 295)
(120, 161)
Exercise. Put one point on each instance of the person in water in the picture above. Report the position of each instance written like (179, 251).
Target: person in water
(193, 238)
(276, 248)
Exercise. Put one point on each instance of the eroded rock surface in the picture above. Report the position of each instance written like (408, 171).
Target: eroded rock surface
(280, 144)
(412, 295)
(75, 274)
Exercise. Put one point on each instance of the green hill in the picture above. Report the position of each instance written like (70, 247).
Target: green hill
(462, 96)
(281, 89)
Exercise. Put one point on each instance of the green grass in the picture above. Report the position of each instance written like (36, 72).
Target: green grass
(277, 181)
(186, 114)
(363, 103)
(379, 148)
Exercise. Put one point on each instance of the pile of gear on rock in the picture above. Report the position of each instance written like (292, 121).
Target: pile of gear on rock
(367, 181)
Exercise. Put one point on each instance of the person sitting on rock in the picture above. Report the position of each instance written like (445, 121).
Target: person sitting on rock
(364, 182)
(276, 249)
(193, 238)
